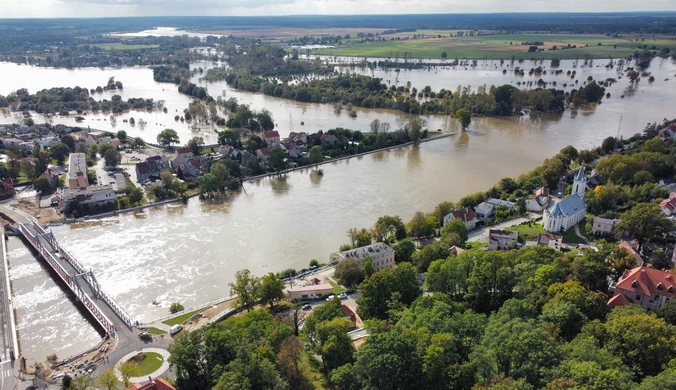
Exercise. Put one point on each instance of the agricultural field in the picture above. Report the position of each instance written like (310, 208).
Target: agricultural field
(121, 46)
(500, 46)
(278, 34)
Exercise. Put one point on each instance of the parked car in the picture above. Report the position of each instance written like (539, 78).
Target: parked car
(330, 297)
(175, 329)
(342, 296)
(307, 307)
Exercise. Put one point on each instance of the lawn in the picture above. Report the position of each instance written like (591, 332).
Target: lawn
(180, 318)
(529, 233)
(569, 237)
(120, 46)
(150, 364)
(498, 46)
(312, 372)
(336, 288)
(158, 331)
(477, 244)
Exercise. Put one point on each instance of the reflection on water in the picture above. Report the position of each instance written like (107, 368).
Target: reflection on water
(413, 157)
(315, 178)
(47, 320)
(462, 139)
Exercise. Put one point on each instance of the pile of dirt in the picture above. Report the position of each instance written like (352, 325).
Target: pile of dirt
(138, 358)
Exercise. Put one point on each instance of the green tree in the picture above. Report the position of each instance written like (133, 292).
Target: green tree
(404, 250)
(321, 314)
(644, 222)
(187, 359)
(122, 136)
(289, 358)
(456, 226)
(60, 152)
(167, 137)
(315, 155)
(220, 170)
(387, 226)
(421, 226)
(195, 144)
(247, 289)
(82, 382)
(359, 238)
(41, 185)
(209, 183)
(111, 158)
(277, 159)
(271, 289)
(135, 196)
(465, 118)
(334, 344)
(68, 140)
(443, 209)
(608, 144)
(414, 129)
(349, 273)
(107, 379)
(129, 369)
(399, 283)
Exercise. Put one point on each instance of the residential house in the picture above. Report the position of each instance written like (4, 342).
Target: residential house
(467, 215)
(502, 239)
(649, 288)
(271, 138)
(668, 184)
(539, 201)
(669, 205)
(484, 210)
(315, 291)
(92, 195)
(89, 138)
(181, 158)
(46, 142)
(246, 157)
(668, 132)
(296, 137)
(295, 151)
(550, 240)
(193, 168)
(263, 153)
(52, 177)
(77, 171)
(604, 226)
(381, 254)
(153, 384)
(570, 211)
(6, 188)
(350, 315)
(502, 203)
(151, 168)
(455, 250)
(328, 138)
(632, 252)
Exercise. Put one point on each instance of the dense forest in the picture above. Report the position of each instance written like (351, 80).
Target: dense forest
(64, 100)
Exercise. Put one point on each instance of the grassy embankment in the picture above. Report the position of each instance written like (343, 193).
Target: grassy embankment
(498, 46)
(179, 319)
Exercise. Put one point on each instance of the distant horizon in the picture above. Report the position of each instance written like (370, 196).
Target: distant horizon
(86, 9)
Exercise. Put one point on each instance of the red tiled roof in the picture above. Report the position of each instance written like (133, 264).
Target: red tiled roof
(618, 300)
(183, 150)
(195, 163)
(632, 252)
(154, 384)
(466, 214)
(670, 202)
(271, 134)
(647, 281)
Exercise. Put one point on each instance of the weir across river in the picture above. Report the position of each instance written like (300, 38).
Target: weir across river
(82, 282)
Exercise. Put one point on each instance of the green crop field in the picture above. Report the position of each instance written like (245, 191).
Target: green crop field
(120, 46)
(500, 46)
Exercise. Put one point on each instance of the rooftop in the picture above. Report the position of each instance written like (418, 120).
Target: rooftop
(77, 163)
(360, 253)
(567, 207)
(153, 384)
(311, 287)
(271, 134)
(647, 281)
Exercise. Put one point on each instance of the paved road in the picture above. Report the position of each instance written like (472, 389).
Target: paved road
(6, 328)
(7, 380)
(482, 234)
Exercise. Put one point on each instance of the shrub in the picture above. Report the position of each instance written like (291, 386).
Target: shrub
(175, 307)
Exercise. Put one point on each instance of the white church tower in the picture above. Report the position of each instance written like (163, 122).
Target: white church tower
(580, 183)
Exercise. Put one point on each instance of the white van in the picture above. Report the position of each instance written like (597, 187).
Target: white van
(175, 329)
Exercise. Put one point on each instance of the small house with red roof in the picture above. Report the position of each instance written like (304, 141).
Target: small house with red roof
(649, 288)
(153, 384)
(669, 205)
(183, 155)
(668, 132)
(350, 315)
(271, 138)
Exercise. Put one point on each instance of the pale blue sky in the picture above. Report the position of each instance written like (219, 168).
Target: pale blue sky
(99, 8)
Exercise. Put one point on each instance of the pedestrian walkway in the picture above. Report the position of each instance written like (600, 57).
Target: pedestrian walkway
(577, 232)
(156, 374)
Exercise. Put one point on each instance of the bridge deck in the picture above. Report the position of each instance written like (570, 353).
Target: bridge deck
(110, 316)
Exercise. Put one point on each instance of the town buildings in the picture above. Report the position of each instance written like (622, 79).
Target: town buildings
(604, 226)
(539, 201)
(669, 205)
(649, 288)
(151, 168)
(502, 239)
(153, 384)
(570, 211)
(93, 195)
(77, 171)
(467, 215)
(382, 255)
(271, 138)
(316, 291)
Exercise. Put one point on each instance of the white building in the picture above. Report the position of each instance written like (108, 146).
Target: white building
(539, 201)
(604, 226)
(467, 215)
(101, 194)
(570, 211)
(382, 255)
(502, 240)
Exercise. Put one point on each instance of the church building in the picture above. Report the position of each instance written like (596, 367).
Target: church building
(570, 211)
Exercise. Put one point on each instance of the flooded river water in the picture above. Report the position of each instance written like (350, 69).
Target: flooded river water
(190, 253)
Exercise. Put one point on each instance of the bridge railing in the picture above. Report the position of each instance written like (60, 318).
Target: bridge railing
(88, 276)
(93, 309)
